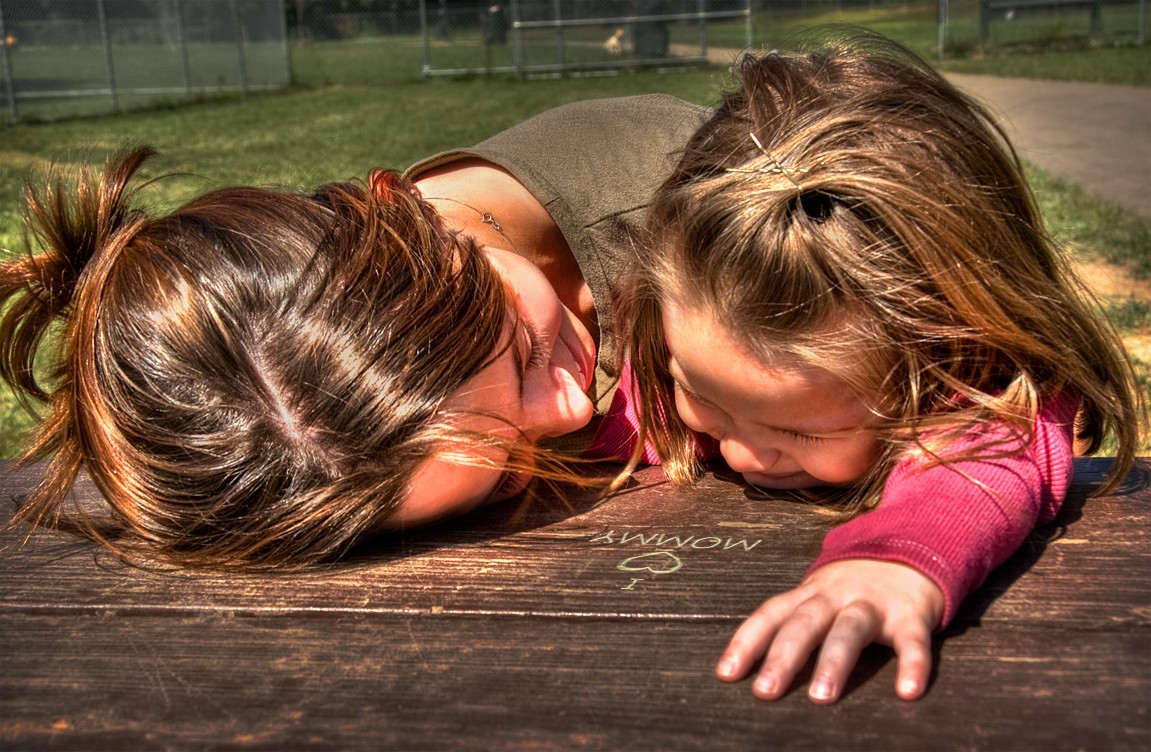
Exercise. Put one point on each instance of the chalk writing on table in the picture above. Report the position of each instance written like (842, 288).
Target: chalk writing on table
(670, 550)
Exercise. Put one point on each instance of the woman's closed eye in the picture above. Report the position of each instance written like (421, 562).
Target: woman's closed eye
(531, 354)
(504, 484)
(538, 354)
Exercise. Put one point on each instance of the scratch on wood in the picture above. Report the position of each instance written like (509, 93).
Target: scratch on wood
(416, 645)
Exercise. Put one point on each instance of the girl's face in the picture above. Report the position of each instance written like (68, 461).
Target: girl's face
(534, 389)
(782, 425)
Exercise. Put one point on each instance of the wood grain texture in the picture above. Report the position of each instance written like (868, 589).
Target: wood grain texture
(589, 626)
(133, 681)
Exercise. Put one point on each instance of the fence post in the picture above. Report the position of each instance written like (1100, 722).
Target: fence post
(242, 64)
(108, 64)
(9, 76)
(701, 7)
(182, 40)
(561, 57)
(443, 23)
(284, 42)
(426, 33)
(517, 41)
(747, 26)
(941, 20)
(1096, 18)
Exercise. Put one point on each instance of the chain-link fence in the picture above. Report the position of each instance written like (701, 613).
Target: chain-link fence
(72, 57)
(386, 41)
(531, 37)
(383, 41)
(970, 26)
(64, 58)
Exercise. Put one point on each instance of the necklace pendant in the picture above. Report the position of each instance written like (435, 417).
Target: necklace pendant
(486, 218)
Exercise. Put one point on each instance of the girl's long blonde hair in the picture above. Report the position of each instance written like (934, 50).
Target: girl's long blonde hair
(849, 207)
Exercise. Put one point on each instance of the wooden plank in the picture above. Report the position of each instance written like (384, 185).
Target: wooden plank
(710, 551)
(506, 630)
(124, 681)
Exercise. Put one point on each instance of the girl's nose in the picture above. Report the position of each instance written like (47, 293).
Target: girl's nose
(743, 457)
(555, 405)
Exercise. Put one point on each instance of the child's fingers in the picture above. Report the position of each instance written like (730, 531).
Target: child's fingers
(854, 628)
(913, 648)
(751, 640)
(793, 645)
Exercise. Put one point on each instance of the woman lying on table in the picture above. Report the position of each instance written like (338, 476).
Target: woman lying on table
(264, 378)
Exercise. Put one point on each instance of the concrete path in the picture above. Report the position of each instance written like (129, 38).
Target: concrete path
(1097, 136)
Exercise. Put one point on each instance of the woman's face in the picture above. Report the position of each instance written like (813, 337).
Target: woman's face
(534, 389)
(781, 424)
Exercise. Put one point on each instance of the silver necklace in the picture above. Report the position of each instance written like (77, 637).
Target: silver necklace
(486, 217)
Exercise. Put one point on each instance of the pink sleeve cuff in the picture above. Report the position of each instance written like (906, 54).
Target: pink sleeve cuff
(955, 523)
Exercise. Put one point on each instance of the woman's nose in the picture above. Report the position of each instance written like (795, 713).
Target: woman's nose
(555, 405)
(744, 457)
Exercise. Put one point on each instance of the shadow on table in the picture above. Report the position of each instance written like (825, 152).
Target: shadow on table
(28, 547)
(1090, 473)
(515, 517)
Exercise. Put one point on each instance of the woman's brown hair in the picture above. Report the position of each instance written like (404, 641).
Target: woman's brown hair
(849, 207)
(248, 380)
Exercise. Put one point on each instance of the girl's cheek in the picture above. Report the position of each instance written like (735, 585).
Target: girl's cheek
(686, 413)
(844, 468)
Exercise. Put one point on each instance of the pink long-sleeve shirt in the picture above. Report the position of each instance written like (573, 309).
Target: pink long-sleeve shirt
(954, 523)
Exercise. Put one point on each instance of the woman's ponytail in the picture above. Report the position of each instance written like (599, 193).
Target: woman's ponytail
(70, 228)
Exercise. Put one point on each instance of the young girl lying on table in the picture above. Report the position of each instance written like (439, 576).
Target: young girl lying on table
(848, 285)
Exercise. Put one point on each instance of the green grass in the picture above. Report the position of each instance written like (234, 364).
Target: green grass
(1127, 65)
(1093, 229)
(324, 131)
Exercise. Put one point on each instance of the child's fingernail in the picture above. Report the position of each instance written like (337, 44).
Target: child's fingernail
(727, 667)
(820, 690)
(908, 688)
(765, 684)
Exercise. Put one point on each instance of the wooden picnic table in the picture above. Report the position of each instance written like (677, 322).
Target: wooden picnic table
(564, 627)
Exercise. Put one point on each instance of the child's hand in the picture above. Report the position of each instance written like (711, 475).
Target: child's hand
(845, 605)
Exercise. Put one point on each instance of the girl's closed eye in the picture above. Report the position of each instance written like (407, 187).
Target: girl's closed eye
(689, 394)
(802, 438)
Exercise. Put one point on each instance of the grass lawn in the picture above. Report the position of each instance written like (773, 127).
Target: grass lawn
(309, 135)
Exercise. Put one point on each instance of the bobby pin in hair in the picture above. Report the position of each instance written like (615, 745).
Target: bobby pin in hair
(774, 167)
